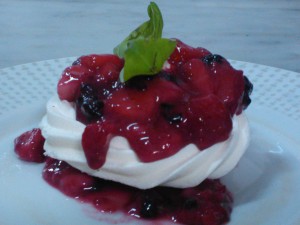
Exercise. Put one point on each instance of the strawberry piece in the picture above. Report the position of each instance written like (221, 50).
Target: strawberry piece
(208, 121)
(166, 91)
(68, 86)
(195, 78)
(110, 199)
(76, 183)
(107, 75)
(95, 62)
(229, 87)
(106, 79)
(131, 106)
(29, 146)
(152, 146)
(183, 53)
(95, 143)
(229, 83)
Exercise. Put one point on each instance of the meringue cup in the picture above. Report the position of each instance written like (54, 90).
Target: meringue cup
(186, 168)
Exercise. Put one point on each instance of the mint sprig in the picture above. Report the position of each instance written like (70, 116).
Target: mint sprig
(144, 50)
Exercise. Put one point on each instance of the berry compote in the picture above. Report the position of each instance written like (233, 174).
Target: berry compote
(206, 204)
(191, 100)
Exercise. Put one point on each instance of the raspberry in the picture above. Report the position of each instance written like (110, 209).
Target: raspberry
(29, 146)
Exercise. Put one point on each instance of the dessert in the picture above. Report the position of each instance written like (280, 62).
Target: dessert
(148, 130)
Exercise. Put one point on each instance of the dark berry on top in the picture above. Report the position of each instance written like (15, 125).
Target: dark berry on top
(167, 76)
(170, 114)
(76, 62)
(149, 208)
(247, 92)
(139, 82)
(89, 104)
(212, 58)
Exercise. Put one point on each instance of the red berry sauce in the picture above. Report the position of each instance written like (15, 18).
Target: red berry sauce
(206, 204)
(29, 146)
(192, 100)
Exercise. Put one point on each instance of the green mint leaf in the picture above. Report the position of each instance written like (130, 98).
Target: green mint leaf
(146, 57)
(144, 50)
(150, 29)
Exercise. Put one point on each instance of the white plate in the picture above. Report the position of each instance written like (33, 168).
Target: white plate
(265, 184)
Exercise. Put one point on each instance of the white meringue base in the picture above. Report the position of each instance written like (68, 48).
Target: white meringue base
(187, 168)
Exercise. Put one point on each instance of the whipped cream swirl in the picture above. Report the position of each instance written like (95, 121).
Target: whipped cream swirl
(186, 168)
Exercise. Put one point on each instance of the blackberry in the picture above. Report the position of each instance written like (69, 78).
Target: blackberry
(247, 92)
(149, 208)
(139, 82)
(89, 104)
(76, 62)
(170, 114)
(212, 58)
(167, 76)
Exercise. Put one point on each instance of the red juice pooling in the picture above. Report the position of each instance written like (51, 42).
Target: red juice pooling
(207, 204)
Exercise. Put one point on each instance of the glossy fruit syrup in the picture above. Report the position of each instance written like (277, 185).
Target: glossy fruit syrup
(192, 100)
(208, 203)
